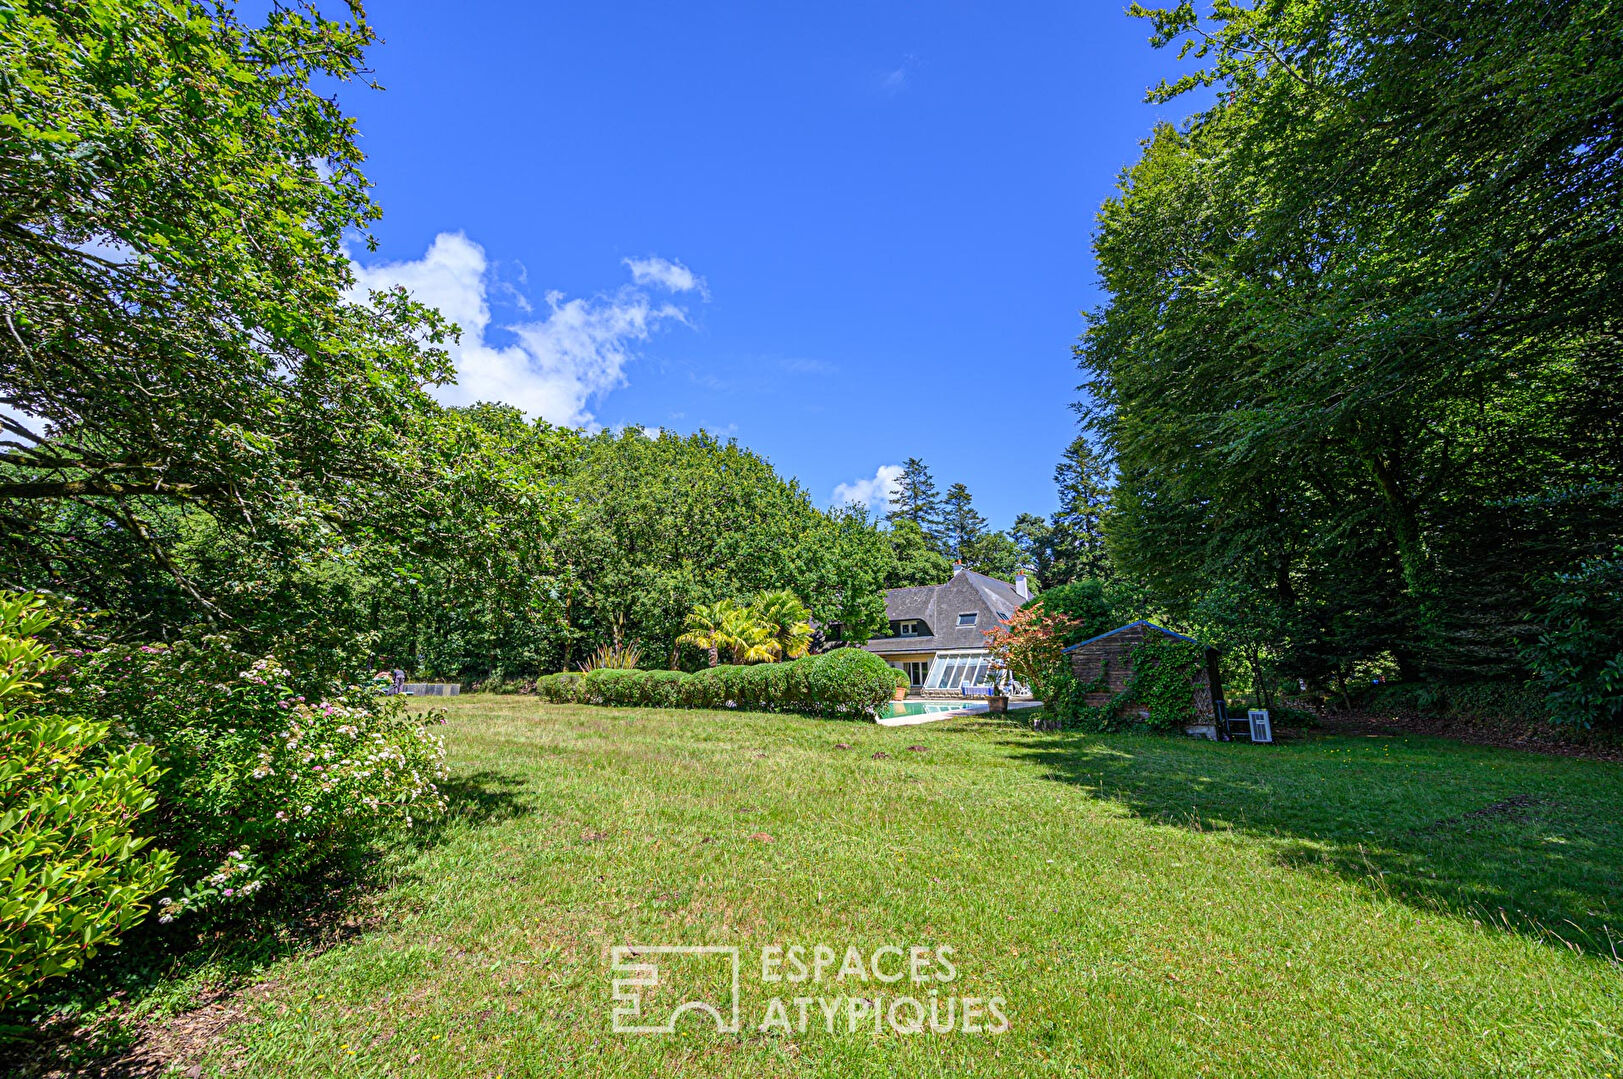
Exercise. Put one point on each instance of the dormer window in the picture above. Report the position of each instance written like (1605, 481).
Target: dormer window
(967, 619)
(908, 627)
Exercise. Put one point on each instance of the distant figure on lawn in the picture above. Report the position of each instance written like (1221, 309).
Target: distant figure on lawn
(399, 681)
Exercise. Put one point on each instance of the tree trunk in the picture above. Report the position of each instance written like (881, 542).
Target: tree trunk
(1259, 682)
(1405, 524)
(1413, 561)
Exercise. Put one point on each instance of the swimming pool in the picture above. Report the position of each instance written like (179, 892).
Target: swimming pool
(920, 708)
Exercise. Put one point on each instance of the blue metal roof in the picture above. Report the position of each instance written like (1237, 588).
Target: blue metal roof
(1130, 625)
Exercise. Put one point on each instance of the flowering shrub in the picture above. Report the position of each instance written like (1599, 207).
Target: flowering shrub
(260, 780)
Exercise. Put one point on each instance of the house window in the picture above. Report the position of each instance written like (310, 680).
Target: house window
(907, 628)
(917, 672)
(967, 619)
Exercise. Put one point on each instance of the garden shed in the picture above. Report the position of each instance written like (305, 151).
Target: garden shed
(1107, 662)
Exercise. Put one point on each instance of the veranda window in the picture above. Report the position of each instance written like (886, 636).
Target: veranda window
(950, 670)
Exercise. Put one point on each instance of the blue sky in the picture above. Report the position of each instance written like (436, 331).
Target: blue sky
(844, 233)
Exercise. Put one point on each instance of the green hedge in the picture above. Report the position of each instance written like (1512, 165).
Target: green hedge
(846, 683)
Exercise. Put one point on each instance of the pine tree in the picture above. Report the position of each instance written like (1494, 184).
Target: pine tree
(1034, 536)
(917, 501)
(1076, 541)
(961, 523)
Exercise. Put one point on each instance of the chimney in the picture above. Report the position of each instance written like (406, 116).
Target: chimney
(1020, 585)
(957, 567)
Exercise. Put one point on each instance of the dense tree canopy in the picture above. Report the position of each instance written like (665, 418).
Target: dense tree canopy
(917, 560)
(1360, 360)
(173, 201)
(666, 523)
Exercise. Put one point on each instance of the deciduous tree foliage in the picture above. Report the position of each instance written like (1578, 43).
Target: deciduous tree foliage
(669, 522)
(173, 200)
(1360, 356)
(917, 560)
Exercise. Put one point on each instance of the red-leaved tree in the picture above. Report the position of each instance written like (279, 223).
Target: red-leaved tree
(1030, 645)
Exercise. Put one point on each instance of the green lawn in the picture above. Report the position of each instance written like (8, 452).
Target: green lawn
(1144, 906)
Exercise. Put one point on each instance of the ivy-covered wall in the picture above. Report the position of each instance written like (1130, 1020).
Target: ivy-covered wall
(1138, 676)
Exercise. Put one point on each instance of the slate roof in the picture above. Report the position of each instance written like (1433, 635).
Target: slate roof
(1146, 623)
(938, 607)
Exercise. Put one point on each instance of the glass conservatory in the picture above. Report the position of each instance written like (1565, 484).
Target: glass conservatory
(950, 670)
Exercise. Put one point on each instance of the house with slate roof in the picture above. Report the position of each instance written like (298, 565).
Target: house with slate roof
(938, 632)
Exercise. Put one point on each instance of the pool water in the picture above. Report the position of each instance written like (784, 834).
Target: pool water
(919, 708)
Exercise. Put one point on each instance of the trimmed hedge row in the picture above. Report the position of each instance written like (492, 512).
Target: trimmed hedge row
(847, 683)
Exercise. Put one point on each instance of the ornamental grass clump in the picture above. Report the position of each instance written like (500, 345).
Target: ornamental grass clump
(265, 776)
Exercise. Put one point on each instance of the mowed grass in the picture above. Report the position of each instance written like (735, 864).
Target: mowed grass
(1144, 906)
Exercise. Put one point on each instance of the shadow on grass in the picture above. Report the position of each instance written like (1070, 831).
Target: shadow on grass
(479, 798)
(1526, 843)
(105, 1021)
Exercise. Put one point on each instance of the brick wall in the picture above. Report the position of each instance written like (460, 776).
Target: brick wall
(1113, 657)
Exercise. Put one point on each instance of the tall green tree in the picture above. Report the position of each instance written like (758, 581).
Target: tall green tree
(1076, 537)
(994, 554)
(917, 560)
(918, 501)
(962, 524)
(1032, 536)
(461, 573)
(1356, 357)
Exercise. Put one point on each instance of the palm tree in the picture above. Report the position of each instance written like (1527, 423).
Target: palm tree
(710, 626)
(787, 619)
(724, 626)
(752, 640)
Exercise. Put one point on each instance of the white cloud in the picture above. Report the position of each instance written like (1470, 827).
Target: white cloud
(896, 80)
(808, 367)
(560, 363)
(877, 493)
(666, 274)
